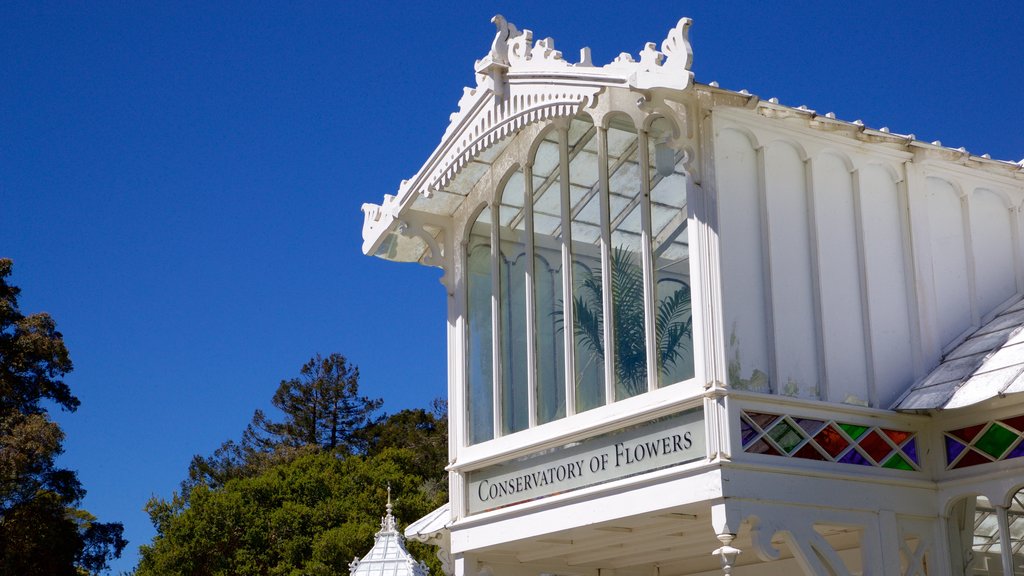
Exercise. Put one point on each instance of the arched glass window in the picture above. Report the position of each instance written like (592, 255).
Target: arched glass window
(627, 279)
(671, 249)
(587, 291)
(591, 232)
(512, 264)
(546, 189)
(480, 363)
(979, 545)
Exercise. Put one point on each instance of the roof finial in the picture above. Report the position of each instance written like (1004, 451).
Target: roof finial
(388, 522)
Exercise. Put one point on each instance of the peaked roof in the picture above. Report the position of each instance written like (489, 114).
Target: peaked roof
(989, 363)
(430, 526)
(522, 81)
(388, 557)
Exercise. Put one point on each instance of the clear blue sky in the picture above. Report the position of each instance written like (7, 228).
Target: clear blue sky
(180, 183)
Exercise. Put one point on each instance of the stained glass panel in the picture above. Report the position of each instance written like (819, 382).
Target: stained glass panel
(762, 447)
(953, 449)
(995, 441)
(897, 462)
(747, 432)
(910, 449)
(875, 446)
(832, 441)
(809, 425)
(971, 458)
(967, 434)
(809, 452)
(1016, 423)
(853, 430)
(855, 457)
(897, 436)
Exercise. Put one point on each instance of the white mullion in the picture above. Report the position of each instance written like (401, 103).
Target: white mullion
(531, 300)
(568, 325)
(606, 267)
(496, 343)
(865, 302)
(970, 257)
(647, 259)
(1005, 548)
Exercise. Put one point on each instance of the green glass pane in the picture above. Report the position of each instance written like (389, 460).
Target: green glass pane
(897, 462)
(995, 441)
(785, 436)
(852, 430)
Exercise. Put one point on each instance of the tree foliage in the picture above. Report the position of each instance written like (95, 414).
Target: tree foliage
(308, 516)
(302, 495)
(42, 530)
(321, 409)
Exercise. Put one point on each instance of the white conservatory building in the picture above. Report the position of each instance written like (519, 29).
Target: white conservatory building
(793, 344)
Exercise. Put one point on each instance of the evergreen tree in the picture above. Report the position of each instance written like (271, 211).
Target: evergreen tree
(322, 409)
(42, 531)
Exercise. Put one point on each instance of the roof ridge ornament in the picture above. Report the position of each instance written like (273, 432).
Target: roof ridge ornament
(676, 46)
(387, 523)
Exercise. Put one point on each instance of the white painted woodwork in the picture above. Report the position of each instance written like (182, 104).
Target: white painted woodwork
(834, 266)
(846, 359)
(887, 286)
(950, 282)
(746, 320)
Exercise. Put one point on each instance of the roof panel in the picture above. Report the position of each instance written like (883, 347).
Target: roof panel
(988, 364)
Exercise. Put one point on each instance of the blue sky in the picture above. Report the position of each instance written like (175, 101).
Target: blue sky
(180, 183)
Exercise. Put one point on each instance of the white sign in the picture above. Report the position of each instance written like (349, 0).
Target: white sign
(650, 446)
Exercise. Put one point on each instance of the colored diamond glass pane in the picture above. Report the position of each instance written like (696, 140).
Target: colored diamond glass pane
(1017, 452)
(853, 430)
(762, 420)
(810, 426)
(897, 436)
(897, 462)
(832, 441)
(785, 436)
(953, 449)
(1016, 423)
(972, 458)
(747, 431)
(809, 452)
(968, 434)
(762, 447)
(995, 440)
(855, 457)
(875, 446)
(910, 450)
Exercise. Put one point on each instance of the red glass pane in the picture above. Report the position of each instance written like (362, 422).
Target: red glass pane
(1017, 423)
(809, 452)
(875, 446)
(968, 434)
(897, 436)
(972, 458)
(832, 441)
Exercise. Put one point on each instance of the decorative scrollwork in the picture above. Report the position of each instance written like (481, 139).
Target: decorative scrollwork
(676, 46)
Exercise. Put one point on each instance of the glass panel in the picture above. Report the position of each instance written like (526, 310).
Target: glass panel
(480, 390)
(627, 275)
(671, 245)
(588, 303)
(995, 441)
(547, 238)
(512, 269)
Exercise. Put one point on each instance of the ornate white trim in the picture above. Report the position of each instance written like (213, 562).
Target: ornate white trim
(519, 82)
